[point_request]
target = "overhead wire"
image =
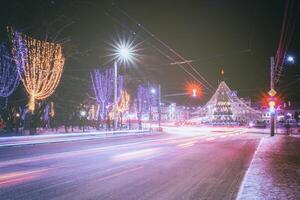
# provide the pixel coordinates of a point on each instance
(163, 53)
(165, 45)
(287, 29)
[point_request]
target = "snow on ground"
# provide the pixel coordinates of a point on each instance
(200, 130)
(274, 172)
(52, 138)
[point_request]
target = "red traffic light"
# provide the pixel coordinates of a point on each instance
(193, 89)
(194, 92)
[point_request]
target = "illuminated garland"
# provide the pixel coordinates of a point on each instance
(9, 77)
(52, 111)
(103, 88)
(225, 105)
(103, 84)
(123, 104)
(40, 63)
(143, 99)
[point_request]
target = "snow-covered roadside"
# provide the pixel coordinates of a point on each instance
(52, 138)
(274, 172)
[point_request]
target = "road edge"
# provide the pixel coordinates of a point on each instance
(241, 188)
(74, 139)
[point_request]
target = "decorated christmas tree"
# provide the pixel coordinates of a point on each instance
(223, 112)
(225, 107)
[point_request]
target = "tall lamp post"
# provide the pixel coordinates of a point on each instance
(115, 91)
(153, 91)
(123, 52)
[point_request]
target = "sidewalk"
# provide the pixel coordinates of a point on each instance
(65, 137)
(281, 131)
(274, 172)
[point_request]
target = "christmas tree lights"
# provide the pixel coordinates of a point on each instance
(123, 102)
(40, 64)
(9, 76)
(143, 99)
(102, 83)
(225, 107)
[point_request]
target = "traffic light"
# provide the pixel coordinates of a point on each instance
(194, 92)
(193, 89)
(272, 105)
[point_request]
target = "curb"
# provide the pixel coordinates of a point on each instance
(241, 188)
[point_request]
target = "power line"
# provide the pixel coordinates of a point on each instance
(287, 30)
(161, 52)
(164, 44)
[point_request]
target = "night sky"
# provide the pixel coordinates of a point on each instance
(237, 36)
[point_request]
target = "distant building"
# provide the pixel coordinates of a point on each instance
(169, 112)
(172, 112)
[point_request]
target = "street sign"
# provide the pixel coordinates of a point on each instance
(272, 92)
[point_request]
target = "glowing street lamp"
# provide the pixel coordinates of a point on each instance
(124, 52)
(83, 113)
(153, 91)
(291, 59)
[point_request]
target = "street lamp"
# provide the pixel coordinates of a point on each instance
(158, 91)
(153, 91)
(291, 59)
(124, 52)
(82, 113)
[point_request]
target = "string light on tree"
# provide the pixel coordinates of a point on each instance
(102, 82)
(41, 64)
(9, 76)
(143, 102)
(124, 102)
(52, 111)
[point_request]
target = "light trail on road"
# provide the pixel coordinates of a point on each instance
(147, 167)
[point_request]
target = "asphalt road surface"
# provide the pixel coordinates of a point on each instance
(201, 165)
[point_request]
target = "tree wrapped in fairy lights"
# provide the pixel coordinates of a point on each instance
(103, 83)
(9, 76)
(122, 106)
(40, 64)
(142, 102)
(123, 103)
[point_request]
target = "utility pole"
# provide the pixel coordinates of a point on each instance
(272, 86)
(115, 93)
